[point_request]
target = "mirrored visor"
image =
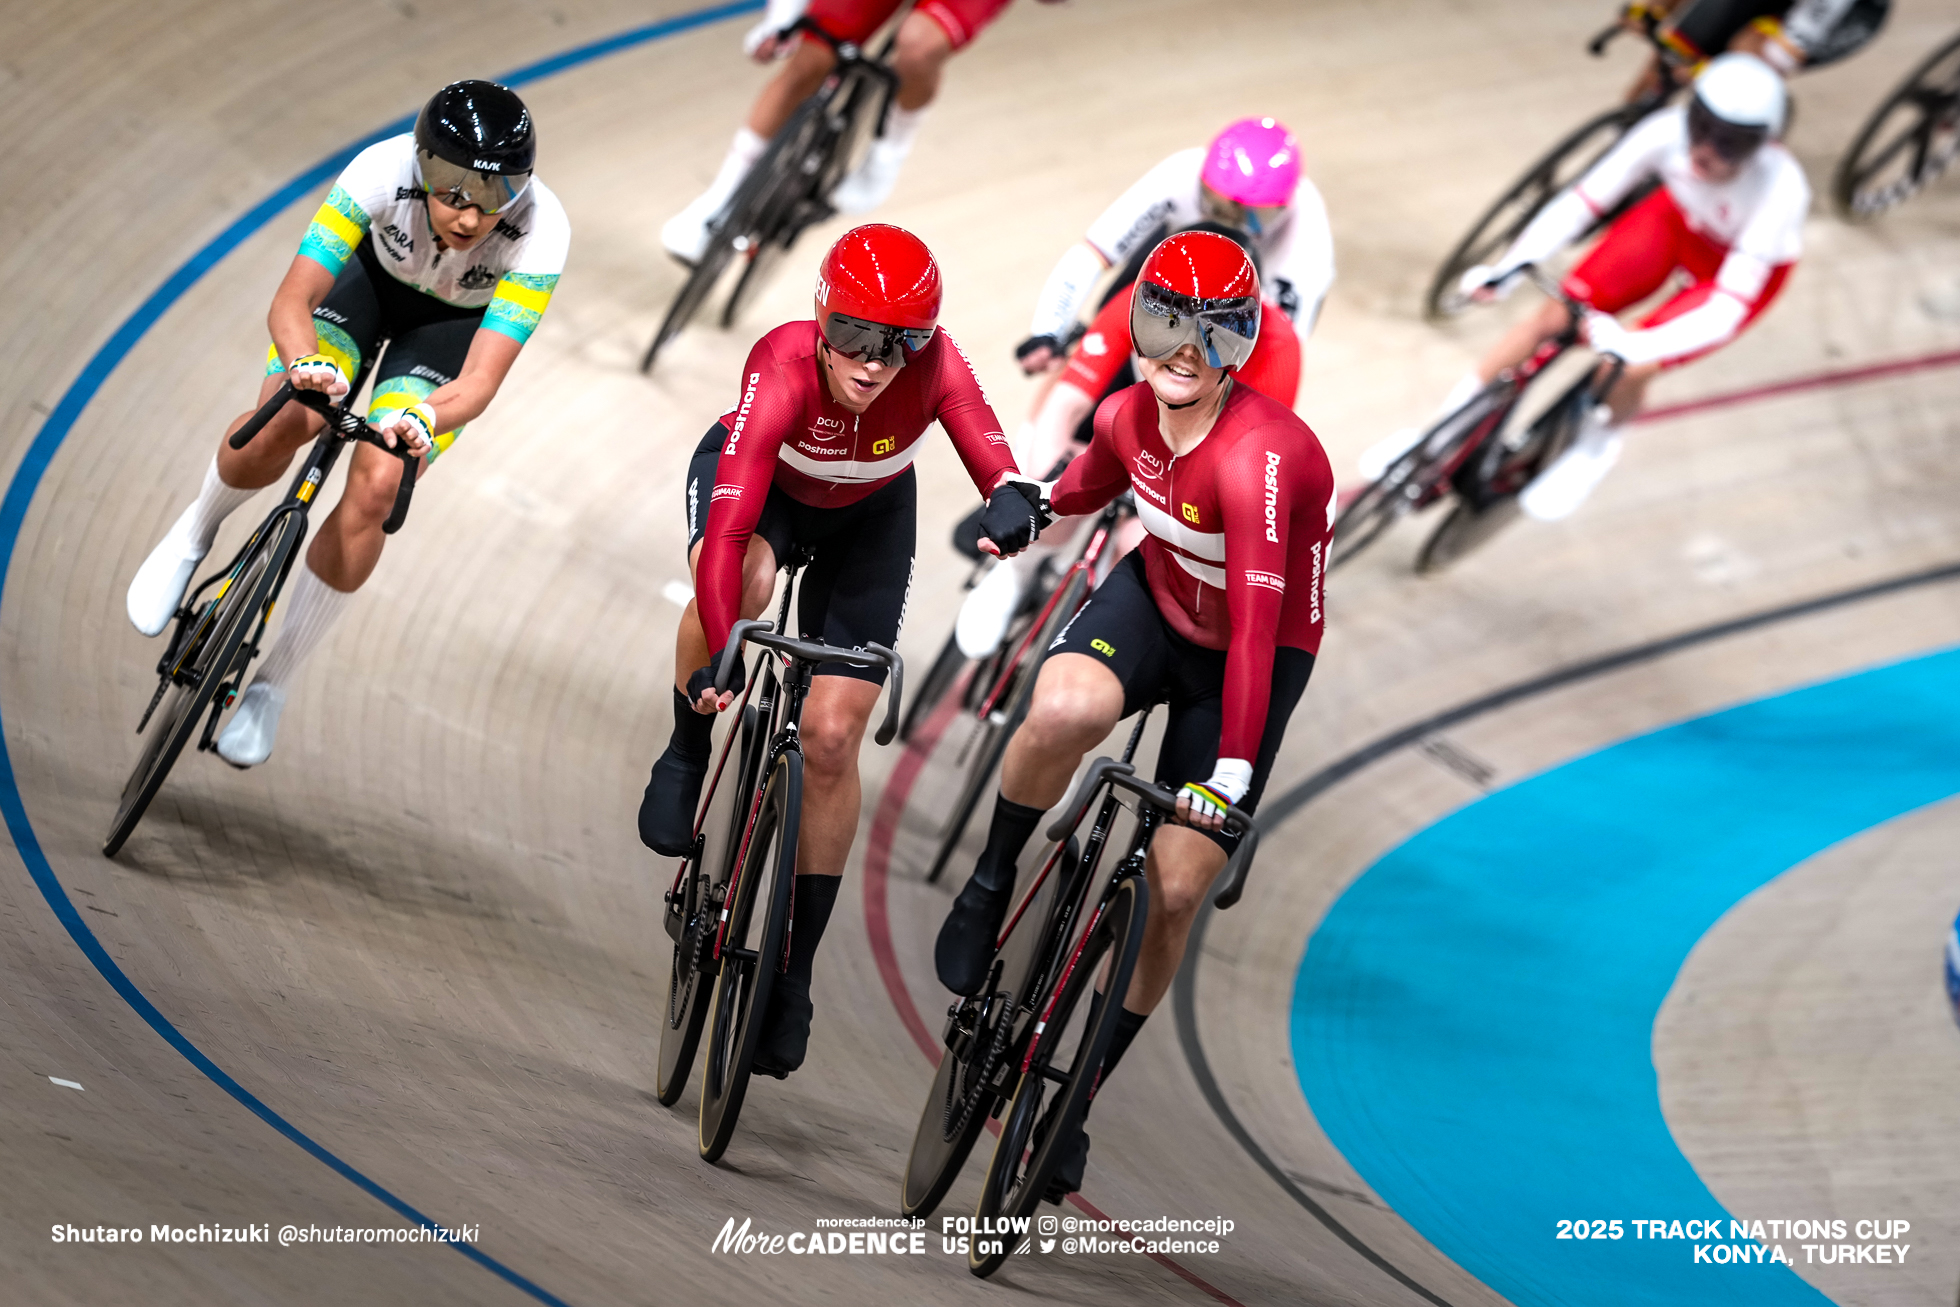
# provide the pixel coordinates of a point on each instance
(1224, 330)
(463, 188)
(1732, 141)
(863, 341)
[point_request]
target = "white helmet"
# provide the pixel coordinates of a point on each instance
(1742, 91)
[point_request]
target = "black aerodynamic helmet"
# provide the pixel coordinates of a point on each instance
(475, 145)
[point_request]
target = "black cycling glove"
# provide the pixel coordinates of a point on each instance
(1289, 299)
(1033, 343)
(1015, 514)
(703, 680)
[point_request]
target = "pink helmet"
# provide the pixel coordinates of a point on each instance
(1254, 161)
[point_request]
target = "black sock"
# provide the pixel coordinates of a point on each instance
(1013, 825)
(809, 914)
(694, 733)
(1127, 1025)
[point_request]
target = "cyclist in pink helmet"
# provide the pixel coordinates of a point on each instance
(1248, 178)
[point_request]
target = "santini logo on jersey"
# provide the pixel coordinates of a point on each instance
(1272, 498)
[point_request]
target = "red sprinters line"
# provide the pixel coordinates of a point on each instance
(1797, 385)
(878, 925)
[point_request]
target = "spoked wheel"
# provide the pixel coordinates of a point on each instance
(752, 949)
(1463, 530)
(774, 181)
(691, 921)
(1563, 164)
(1911, 139)
(1056, 1086)
(211, 649)
(920, 702)
(985, 752)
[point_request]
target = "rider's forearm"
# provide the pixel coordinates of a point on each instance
(1557, 225)
(290, 320)
(1053, 429)
(1066, 289)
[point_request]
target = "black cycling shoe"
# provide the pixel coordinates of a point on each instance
(1071, 1159)
(667, 809)
(965, 949)
(786, 1029)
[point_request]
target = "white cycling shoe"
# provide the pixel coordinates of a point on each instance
(685, 235)
(1557, 492)
(1375, 459)
(988, 609)
(872, 183)
(248, 737)
(160, 582)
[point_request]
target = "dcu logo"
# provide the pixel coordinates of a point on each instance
(1149, 466)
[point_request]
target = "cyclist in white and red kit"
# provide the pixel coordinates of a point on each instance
(1726, 221)
(1249, 177)
(817, 455)
(1218, 613)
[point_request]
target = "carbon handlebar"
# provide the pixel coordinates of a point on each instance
(749, 631)
(346, 425)
(1123, 776)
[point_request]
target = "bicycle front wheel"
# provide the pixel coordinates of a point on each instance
(757, 919)
(1500, 224)
(214, 644)
(1022, 1165)
(1909, 141)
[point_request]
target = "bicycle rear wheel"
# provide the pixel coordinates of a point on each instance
(1020, 1169)
(1909, 140)
(999, 726)
(692, 920)
(939, 678)
(213, 647)
(752, 951)
(1500, 224)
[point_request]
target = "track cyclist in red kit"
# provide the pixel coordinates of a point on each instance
(818, 455)
(1218, 613)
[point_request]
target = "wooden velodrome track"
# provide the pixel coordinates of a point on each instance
(425, 938)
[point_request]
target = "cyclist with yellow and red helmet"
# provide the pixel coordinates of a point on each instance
(817, 455)
(1218, 613)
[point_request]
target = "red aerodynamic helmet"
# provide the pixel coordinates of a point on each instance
(878, 294)
(1197, 288)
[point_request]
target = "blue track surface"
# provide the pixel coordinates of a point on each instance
(1473, 1021)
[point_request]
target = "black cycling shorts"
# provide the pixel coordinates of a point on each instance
(1707, 26)
(1122, 627)
(426, 340)
(859, 575)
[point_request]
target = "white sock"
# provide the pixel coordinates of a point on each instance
(901, 129)
(743, 151)
(214, 504)
(311, 610)
(1460, 394)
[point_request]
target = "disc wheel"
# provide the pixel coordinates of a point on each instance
(1021, 1168)
(690, 972)
(752, 949)
(1908, 142)
(940, 676)
(212, 648)
(1500, 224)
(1463, 530)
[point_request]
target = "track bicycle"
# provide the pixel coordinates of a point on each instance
(1909, 141)
(1024, 1049)
(728, 910)
(1482, 455)
(213, 640)
(788, 190)
(996, 695)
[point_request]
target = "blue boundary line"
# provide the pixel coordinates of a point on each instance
(27, 481)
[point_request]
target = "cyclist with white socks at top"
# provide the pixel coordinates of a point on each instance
(440, 242)
(1249, 178)
(932, 33)
(1727, 221)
